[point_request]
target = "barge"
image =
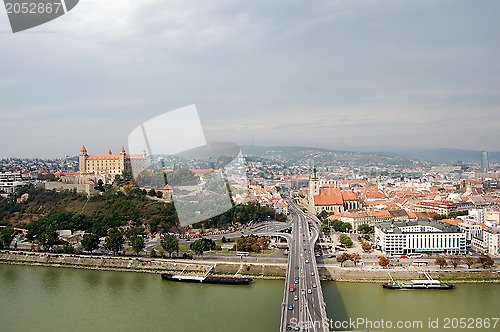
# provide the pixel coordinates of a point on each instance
(207, 279)
(419, 284)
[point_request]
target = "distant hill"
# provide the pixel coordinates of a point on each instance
(441, 155)
(447, 155)
(324, 157)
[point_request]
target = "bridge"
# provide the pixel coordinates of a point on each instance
(304, 306)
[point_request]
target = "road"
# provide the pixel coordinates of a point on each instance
(303, 308)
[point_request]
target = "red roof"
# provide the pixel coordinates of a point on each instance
(114, 156)
(328, 196)
(83, 149)
(349, 196)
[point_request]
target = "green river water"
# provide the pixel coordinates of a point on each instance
(57, 299)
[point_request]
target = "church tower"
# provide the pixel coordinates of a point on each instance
(83, 160)
(313, 183)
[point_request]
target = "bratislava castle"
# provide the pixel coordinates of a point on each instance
(110, 163)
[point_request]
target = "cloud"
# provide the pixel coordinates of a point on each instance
(286, 72)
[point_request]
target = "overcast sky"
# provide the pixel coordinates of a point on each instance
(362, 75)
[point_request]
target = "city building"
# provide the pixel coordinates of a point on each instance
(420, 236)
(485, 161)
(110, 163)
(10, 181)
(488, 242)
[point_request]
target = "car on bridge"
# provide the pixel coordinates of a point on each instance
(290, 307)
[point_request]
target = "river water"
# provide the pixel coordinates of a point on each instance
(57, 299)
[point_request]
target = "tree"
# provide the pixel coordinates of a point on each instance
(383, 261)
(485, 261)
(345, 226)
(48, 239)
(224, 239)
(365, 229)
(366, 246)
(325, 229)
(114, 240)
(356, 259)
(345, 240)
(100, 186)
(455, 260)
(323, 215)
(68, 248)
(199, 246)
(469, 261)
(152, 193)
(337, 225)
(153, 253)
(441, 261)
(90, 242)
(170, 243)
(6, 236)
(137, 243)
(343, 258)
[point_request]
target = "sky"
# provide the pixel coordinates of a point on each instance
(363, 75)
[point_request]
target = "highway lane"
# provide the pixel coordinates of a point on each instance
(307, 304)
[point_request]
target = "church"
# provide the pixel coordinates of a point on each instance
(110, 164)
(329, 198)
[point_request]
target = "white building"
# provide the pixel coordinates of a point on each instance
(420, 236)
(10, 181)
(488, 242)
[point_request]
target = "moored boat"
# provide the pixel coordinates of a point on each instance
(207, 279)
(419, 284)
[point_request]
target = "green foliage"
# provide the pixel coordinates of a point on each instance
(114, 240)
(182, 176)
(170, 243)
(450, 216)
(323, 215)
(137, 243)
(90, 242)
(153, 253)
(68, 248)
(325, 229)
(241, 214)
(340, 226)
(100, 186)
(202, 245)
(70, 210)
(6, 236)
(48, 239)
(127, 178)
(345, 240)
(366, 229)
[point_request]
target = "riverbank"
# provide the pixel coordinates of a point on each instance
(245, 269)
(142, 265)
(382, 275)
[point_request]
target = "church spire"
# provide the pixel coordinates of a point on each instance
(314, 175)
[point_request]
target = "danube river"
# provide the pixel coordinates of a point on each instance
(56, 299)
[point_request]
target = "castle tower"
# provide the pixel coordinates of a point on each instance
(122, 159)
(83, 160)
